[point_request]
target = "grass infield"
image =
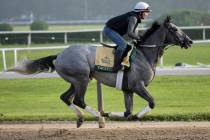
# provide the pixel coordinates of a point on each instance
(177, 98)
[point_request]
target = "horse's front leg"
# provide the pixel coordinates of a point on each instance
(142, 92)
(128, 100)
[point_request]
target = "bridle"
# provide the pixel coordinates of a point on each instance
(164, 46)
(179, 41)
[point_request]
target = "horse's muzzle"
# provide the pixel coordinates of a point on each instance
(187, 42)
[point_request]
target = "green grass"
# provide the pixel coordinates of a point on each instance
(61, 27)
(198, 53)
(177, 98)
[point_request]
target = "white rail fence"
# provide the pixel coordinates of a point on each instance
(65, 33)
(65, 38)
(16, 50)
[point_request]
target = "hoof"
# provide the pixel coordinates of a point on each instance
(101, 122)
(79, 122)
(129, 117)
(103, 114)
(134, 117)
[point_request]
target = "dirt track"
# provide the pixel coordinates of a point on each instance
(113, 131)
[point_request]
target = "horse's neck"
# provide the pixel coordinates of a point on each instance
(151, 54)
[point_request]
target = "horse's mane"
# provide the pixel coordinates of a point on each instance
(150, 31)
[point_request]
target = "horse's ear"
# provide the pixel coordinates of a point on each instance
(168, 19)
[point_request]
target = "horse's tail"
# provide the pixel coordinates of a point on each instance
(44, 64)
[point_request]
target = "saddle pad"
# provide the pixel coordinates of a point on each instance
(104, 60)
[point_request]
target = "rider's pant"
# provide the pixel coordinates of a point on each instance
(116, 38)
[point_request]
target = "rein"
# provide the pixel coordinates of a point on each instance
(154, 46)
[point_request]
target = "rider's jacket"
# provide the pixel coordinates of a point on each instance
(125, 24)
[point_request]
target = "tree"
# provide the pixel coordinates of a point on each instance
(6, 27)
(39, 25)
(188, 18)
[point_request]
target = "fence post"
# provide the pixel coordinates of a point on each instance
(4, 59)
(29, 38)
(101, 36)
(15, 56)
(204, 33)
(65, 38)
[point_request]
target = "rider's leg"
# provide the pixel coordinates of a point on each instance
(121, 43)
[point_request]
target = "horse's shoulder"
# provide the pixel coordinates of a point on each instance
(142, 67)
(141, 57)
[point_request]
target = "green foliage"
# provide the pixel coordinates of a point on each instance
(39, 25)
(6, 27)
(188, 18)
(198, 53)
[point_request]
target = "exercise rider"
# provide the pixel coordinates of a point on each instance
(123, 24)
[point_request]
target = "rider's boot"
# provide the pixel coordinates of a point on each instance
(118, 59)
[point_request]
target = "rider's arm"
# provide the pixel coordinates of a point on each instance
(131, 28)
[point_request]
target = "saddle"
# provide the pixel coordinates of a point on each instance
(107, 45)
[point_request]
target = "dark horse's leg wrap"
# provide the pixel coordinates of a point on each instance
(68, 96)
(81, 88)
(79, 102)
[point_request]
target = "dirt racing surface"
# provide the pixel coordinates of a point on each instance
(112, 131)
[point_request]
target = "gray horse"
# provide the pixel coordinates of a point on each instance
(76, 66)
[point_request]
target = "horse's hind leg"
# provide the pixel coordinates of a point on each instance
(79, 101)
(79, 97)
(68, 97)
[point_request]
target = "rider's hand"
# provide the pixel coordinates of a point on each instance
(134, 42)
